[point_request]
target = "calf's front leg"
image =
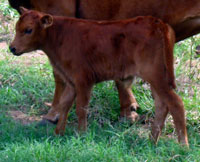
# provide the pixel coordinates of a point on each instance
(65, 103)
(53, 114)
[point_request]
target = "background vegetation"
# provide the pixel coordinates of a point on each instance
(26, 83)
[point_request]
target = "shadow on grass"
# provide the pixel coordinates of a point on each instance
(118, 141)
(12, 131)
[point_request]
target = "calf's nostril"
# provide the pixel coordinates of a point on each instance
(12, 49)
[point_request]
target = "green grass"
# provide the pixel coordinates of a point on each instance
(26, 83)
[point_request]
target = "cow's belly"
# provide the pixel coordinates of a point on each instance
(187, 28)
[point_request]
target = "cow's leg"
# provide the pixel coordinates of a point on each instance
(65, 103)
(53, 114)
(82, 101)
(176, 108)
(161, 112)
(127, 100)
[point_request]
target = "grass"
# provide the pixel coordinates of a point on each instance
(26, 83)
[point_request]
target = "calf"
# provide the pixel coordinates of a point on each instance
(84, 53)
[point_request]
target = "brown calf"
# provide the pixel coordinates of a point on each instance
(84, 53)
(182, 15)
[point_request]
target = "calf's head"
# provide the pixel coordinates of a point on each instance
(30, 31)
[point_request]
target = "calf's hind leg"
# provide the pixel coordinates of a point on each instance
(176, 108)
(83, 92)
(161, 112)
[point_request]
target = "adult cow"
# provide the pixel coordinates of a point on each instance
(182, 15)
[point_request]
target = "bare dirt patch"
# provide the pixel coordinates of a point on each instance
(32, 58)
(3, 45)
(36, 57)
(23, 118)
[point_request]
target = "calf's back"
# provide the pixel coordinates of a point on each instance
(106, 50)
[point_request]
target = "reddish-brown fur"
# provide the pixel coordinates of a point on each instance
(84, 53)
(182, 15)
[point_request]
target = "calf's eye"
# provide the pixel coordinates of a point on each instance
(28, 31)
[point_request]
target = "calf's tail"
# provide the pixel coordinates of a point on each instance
(169, 41)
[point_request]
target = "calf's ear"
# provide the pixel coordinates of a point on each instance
(22, 10)
(46, 21)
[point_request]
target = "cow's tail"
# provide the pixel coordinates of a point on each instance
(169, 41)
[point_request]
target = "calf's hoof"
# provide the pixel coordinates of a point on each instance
(45, 122)
(154, 137)
(51, 117)
(59, 132)
(48, 120)
(184, 141)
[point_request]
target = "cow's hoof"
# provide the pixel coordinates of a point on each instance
(134, 107)
(48, 104)
(133, 116)
(130, 113)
